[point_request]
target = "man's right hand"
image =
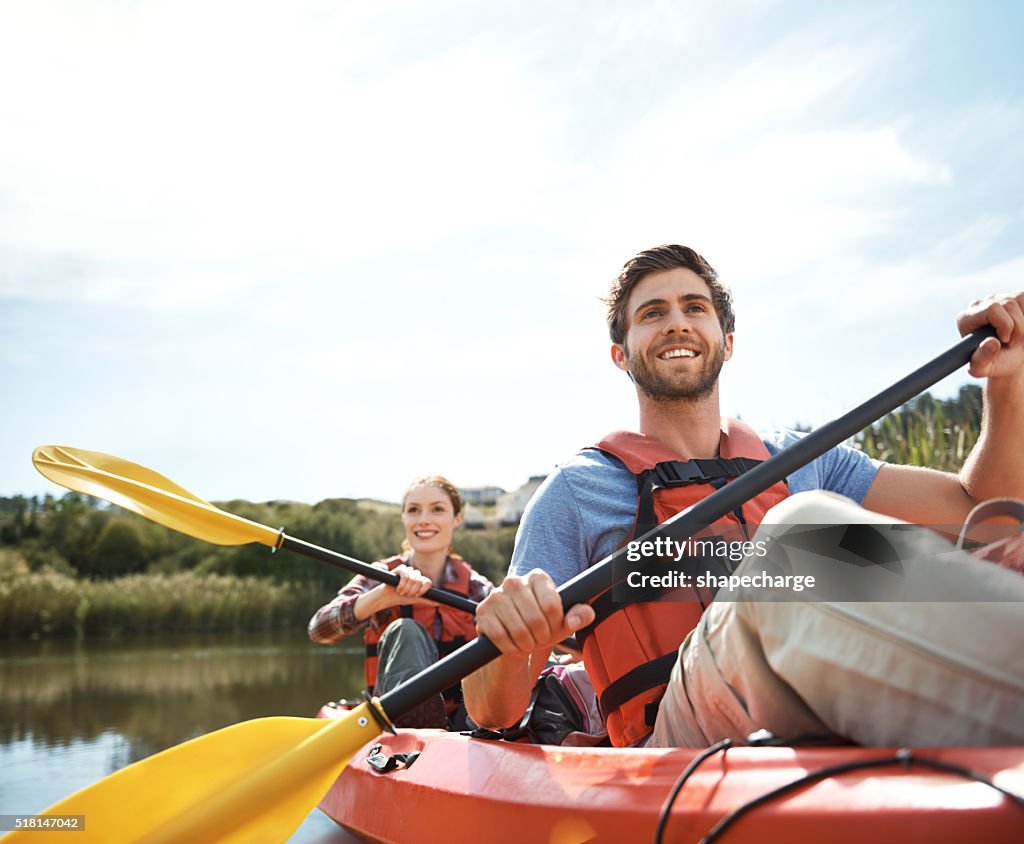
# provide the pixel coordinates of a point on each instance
(525, 614)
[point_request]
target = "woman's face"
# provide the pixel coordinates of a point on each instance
(429, 519)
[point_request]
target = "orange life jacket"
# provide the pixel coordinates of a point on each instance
(630, 649)
(450, 628)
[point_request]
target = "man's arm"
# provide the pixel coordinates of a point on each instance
(523, 617)
(995, 466)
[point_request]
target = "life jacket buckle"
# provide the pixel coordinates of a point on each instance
(674, 473)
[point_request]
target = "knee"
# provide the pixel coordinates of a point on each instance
(817, 507)
(402, 629)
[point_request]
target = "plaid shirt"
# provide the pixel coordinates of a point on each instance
(336, 620)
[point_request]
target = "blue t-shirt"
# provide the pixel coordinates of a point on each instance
(585, 508)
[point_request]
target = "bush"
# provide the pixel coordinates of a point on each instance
(118, 550)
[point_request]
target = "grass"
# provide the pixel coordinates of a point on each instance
(48, 603)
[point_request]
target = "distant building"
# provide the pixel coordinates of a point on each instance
(473, 517)
(512, 504)
(482, 496)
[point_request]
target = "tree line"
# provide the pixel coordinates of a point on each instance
(80, 536)
(84, 537)
(125, 566)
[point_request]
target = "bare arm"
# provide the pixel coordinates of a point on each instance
(350, 609)
(523, 617)
(995, 466)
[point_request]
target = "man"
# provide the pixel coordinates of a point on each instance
(875, 673)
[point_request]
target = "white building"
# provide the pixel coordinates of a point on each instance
(512, 504)
(485, 496)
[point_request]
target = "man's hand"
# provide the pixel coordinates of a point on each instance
(524, 614)
(995, 358)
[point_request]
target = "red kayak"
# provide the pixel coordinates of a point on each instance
(427, 786)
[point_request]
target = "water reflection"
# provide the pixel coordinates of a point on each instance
(73, 712)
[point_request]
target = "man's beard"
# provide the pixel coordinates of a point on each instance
(691, 387)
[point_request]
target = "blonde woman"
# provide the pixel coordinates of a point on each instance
(404, 633)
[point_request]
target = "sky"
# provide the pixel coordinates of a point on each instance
(302, 250)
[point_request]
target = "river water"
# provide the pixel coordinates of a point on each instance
(74, 712)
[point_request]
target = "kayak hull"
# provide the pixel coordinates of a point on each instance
(465, 789)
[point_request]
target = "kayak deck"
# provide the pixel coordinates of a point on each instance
(464, 789)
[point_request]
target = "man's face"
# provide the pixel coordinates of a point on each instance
(674, 346)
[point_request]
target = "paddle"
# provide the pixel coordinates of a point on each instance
(150, 494)
(257, 781)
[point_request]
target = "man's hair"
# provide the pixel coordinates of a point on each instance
(665, 257)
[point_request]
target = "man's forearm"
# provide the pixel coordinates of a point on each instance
(995, 468)
(497, 695)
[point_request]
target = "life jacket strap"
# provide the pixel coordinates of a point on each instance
(603, 606)
(673, 473)
(636, 681)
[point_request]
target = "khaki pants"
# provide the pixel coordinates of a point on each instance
(892, 672)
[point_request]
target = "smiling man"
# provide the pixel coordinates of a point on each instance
(694, 355)
(676, 670)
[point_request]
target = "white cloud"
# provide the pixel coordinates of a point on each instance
(314, 225)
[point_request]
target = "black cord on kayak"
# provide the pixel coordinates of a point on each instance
(758, 738)
(666, 809)
(903, 757)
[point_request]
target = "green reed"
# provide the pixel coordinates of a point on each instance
(927, 432)
(50, 603)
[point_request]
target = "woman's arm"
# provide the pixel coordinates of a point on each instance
(354, 606)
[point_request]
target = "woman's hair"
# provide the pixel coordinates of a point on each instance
(442, 482)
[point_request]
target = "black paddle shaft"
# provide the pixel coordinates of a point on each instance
(333, 558)
(599, 578)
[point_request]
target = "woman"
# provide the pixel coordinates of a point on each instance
(405, 633)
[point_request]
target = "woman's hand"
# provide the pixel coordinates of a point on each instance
(412, 583)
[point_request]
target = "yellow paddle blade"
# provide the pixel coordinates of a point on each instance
(252, 782)
(147, 493)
